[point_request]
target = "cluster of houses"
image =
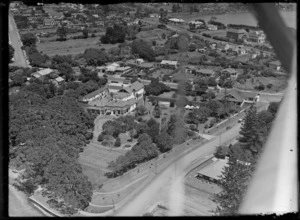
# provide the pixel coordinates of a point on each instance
(241, 34)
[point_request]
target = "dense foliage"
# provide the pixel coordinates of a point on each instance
(11, 52)
(45, 138)
(156, 88)
(242, 160)
(114, 34)
(28, 39)
(143, 49)
(95, 57)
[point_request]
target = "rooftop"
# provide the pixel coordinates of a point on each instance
(237, 31)
(205, 71)
(214, 170)
(59, 79)
(93, 94)
(44, 72)
(169, 62)
(277, 62)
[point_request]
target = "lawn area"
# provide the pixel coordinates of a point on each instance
(72, 47)
(279, 83)
(154, 34)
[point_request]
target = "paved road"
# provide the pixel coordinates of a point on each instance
(15, 40)
(149, 195)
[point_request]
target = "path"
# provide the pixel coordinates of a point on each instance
(14, 38)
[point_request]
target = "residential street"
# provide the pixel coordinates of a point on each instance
(15, 41)
(152, 193)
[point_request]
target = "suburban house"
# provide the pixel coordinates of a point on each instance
(257, 36)
(212, 27)
(239, 50)
(50, 22)
(59, 80)
(235, 34)
(276, 65)
(95, 95)
(197, 24)
(239, 97)
(176, 20)
(42, 73)
(121, 102)
(224, 47)
(204, 72)
(169, 64)
(229, 72)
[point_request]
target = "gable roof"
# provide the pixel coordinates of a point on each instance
(169, 62)
(93, 94)
(44, 72)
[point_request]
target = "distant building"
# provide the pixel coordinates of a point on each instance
(257, 36)
(205, 72)
(276, 65)
(239, 50)
(229, 72)
(235, 34)
(123, 101)
(94, 95)
(239, 97)
(42, 73)
(169, 64)
(50, 22)
(212, 27)
(154, 15)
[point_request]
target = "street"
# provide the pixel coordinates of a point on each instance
(173, 174)
(15, 41)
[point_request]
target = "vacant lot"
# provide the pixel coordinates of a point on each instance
(278, 83)
(72, 47)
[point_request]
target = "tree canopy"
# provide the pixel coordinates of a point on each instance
(114, 34)
(143, 49)
(95, 57)
(28, 39)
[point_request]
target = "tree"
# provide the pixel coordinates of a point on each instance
(214, 106)
(164, 142)
(234, 181)
(114, 34)
(95, 57)
(66, 70)
(118, 142)
(29, 39)
(221, 152)
(156, 88)
(273, 107)
(143, 49)
(11, 52)
(85, 33)
(199, 115)
(249, 134)
(62, 32)
(153, 129)
(141, 110)
(200, 86)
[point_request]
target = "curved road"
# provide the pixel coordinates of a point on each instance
(158, 187)
(15, 41)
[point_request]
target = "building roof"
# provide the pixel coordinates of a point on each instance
(108, 102)
(169, 62)
(137, 86)
(36, 75)
(123, 68)
(93, 94)
(237, 31)
(121, 95)
(214, 170)
(59, 79)
(116, 78)
(146, 65)
(277, 63)
(206, 71)
(44, 72)
(230, 70)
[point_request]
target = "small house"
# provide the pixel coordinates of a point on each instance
(229, 72)
(235, 34)
(169, 64)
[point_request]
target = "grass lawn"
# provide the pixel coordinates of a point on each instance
(154, 34)
(279, 83)
(72, 47)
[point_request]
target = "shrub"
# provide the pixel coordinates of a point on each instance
(221, 152)
(118, 142)
(270, 85)
(100, 137)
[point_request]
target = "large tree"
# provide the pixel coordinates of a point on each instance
(29, 39)
(114, 34)
(62, 32)
(143, 49)
(95, 57)
(164, 142)
(66, 70)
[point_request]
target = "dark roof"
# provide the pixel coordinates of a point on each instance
(93, 94)
(237, 31)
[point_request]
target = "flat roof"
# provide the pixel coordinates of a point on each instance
(215, 169)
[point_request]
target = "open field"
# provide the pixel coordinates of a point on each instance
(72, 47)
(279, 83)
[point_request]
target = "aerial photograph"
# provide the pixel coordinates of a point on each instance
(152, 109)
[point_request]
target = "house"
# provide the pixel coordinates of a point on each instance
(212, 27)
(121, 102)
(42, 73)
(59, 80)
(239, 97)
(276, 65)
(169, 64)
(224, 47)
(229, 72)
(95, 95)
(213, 171)
(190, 69)
(197, 24)
(239, 50)
(122, 70)
(176, 20)
(50, 22)
(204, 72)
(235, 34)
(257, 36)
(111, 68)
(154, 15)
